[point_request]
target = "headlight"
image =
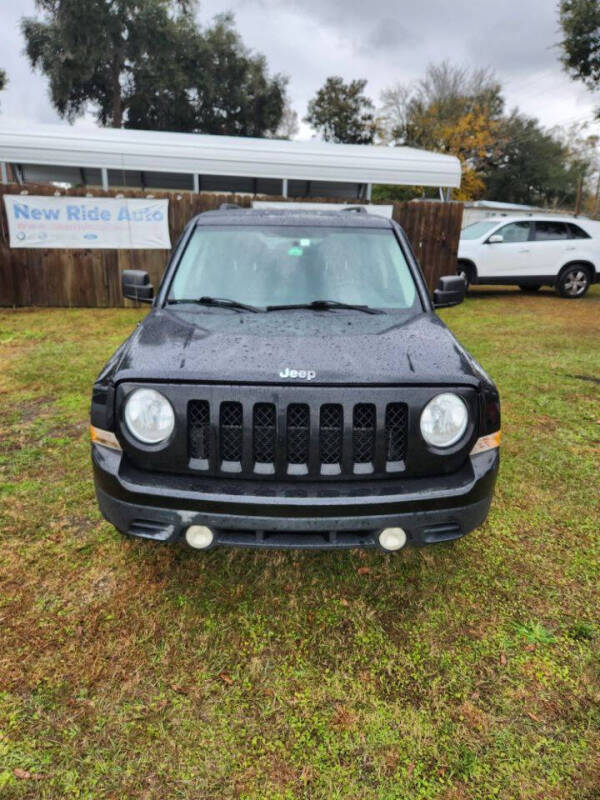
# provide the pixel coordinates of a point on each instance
(149, 416)
(444, 420)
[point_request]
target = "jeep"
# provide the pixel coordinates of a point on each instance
(293, 387)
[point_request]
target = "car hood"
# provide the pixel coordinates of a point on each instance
(299, 346)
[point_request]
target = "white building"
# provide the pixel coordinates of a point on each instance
(111, 157)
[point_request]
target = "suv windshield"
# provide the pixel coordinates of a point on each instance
(277, 265)
(477, 229)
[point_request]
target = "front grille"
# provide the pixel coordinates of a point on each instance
(363, 433)
(297, 439)
(198, 428)
(331, 431)
(231, 431)
(264, 433)
(396, 437)
(298, 433)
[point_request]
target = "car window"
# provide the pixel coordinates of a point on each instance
(576, 232)
(477, 229)
(515, 232)
(548, 230)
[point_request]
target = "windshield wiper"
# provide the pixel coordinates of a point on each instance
(326, 305)
(315, 305)
(221, 302)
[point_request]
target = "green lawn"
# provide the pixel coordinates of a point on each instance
(471, 670)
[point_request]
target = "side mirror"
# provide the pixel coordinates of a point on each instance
(136, 285)
(495, 238)
(450, 292)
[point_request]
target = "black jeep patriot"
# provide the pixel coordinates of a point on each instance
(292, 386)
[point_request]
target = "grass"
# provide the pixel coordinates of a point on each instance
(472, 670)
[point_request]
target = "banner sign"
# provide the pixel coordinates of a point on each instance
(87, 222)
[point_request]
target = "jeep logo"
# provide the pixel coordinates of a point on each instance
(304, 374)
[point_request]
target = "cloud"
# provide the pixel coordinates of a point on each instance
(387, 35)
(26, 97)
(384, 41)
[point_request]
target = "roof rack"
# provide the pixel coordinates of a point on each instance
(226, 206)
(355, 209)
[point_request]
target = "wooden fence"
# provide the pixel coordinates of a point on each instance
(434, 232)
(88, 277)
(93, 277)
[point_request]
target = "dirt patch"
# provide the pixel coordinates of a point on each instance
(74, 430)
(31, 409)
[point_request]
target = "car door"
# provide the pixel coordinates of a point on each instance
(506, 258)
(552, 246)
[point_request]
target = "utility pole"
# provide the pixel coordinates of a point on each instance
(597, 197)
(579, 195)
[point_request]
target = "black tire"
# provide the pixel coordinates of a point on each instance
(534, 287)
(467, 271)
(574, 281)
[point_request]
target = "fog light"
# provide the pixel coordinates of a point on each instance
(392, 538)
(199, 536)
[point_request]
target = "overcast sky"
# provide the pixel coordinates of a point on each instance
(384, 41)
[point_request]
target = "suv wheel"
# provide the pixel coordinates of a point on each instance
(466, 271)
(528, 289)
(574, 281)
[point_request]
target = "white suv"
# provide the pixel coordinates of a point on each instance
(531, 252)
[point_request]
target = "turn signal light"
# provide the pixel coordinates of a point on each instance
(488, 442)
(105, 438)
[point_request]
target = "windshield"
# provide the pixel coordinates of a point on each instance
(477, 229)
(266, 266)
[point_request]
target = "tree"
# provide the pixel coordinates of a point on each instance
(289, 125)
(91, 49)
(531, 165)
(580, 23)
(583, 160)
(451, 110)
(231, 90)
(449, 89)
(341, 112)
(392, 121)
(147, 64)
(505, 157)
(157, 92)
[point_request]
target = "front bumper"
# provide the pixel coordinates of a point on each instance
(311, 516)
